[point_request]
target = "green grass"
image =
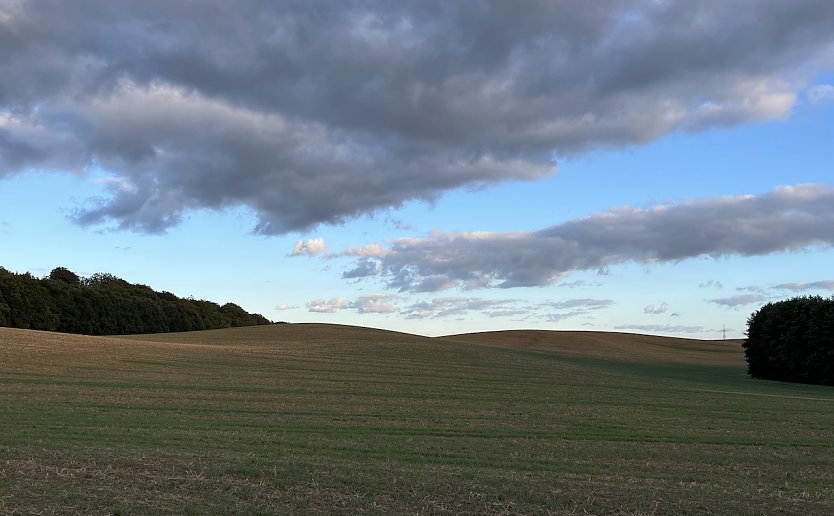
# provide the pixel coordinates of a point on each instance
(306, 419)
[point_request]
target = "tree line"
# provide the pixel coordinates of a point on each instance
(792, 341)
(103, 304)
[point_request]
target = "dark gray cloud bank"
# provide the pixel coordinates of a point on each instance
(785, 219)
(315, 112)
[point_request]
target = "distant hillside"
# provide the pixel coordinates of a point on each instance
(106, 305)
(617, 347)
(611, 345)
(307, 333)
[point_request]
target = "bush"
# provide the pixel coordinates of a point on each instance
(792, 341)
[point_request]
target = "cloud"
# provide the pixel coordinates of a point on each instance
(573, 308)
(585, 304)
(739, 300)
(558, 317)
(310, 247)
(283, 306)
(437, 308)
(750, 288)
(580, 284)
(786, 219)
(317, 112)
(445, 307)
(508, 313)
(366, 251)
(327, 306)
(651, 309)
(372, 304)
(711, 284)
(364, 267)
(661, 328)
(375, 304)
(802, 287)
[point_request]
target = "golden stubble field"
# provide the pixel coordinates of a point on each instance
(321, 418)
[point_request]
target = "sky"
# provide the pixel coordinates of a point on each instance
(433, 167)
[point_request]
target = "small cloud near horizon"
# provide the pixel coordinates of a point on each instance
(735, 302)
(651, 309)
(585, 303)
(753, 289)
(375, 304)
(324, 306)
(559, 317)
(445, 307)
(573, 308)
(370, 304)
(661, 328)
(803, 287)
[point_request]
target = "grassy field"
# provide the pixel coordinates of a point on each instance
(318, 418)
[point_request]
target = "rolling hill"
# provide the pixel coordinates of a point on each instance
(615, 346)
(338, 419)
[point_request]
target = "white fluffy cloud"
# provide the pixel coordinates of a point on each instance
(372, 304)
(375, 304)
(786, 219)
(326, 306)
(317, 111)
(309, 247)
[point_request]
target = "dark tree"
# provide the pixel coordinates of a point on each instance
(65, 275)
(106, 305)
(792, 341)
(5, 311)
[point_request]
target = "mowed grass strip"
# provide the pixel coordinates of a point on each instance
(324, 418)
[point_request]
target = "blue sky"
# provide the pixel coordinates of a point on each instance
(674, 207)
